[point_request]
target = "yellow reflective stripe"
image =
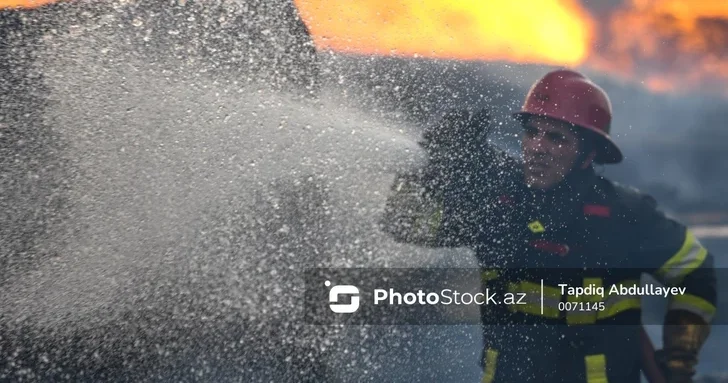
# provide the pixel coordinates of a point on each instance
(536, 227)
(552, 292)
(489, 275)
(581, 315)
(577, 317)
(596, 368)
(694, 304)
(596, 282)
(491, 358)
(525, 287)
(428, 224)
(531, 303)
(435, 219)
(690, 256)
(616, 304)
(584, 316)
(619, 305)
(532, 300)
(410, 214)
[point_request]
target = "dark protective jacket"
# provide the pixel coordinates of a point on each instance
(586, 231)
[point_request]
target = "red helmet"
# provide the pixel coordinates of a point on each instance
(569, 96)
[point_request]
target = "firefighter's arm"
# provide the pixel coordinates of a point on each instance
(431, 206)
(689, 316)
(413, 214)
(681, 260)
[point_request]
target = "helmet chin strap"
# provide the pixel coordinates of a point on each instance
(587, 152)
(581, 161)
(576, 172)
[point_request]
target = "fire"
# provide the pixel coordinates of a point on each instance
(462, 29)
(669, 44)
(24, 3)
(666, 45)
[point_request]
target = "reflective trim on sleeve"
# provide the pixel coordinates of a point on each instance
(584, 315)
(435, 219)
(596, 368)
(693, 304)
(491, 358)
(428, 223)
(596, 282)
(615, 304)
(531, 302)
(489, 275)
(690, 256)
(580, 317)
(619, 304)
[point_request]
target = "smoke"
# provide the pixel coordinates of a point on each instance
(672, 146)
(667, 46)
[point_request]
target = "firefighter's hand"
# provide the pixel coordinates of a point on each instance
(683, 336)
(456, 131)
(677, 367)
(456, 143)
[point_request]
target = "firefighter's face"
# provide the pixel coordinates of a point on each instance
(550, 150)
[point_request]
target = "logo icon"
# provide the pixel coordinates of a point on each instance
(343, 290)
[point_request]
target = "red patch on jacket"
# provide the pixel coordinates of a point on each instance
(550, 247)
(598, 210)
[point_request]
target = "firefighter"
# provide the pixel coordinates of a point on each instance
(551, 211)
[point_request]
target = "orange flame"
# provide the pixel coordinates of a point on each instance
(669, 44)
(665, 44)
(463, 29)
(24, 3)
